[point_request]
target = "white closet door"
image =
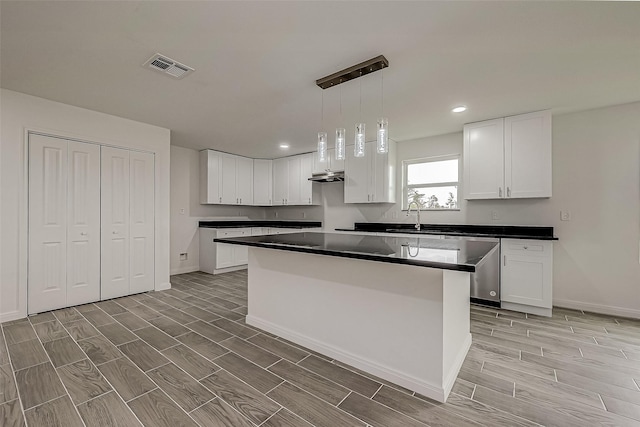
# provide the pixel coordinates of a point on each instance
(47, 273)
(83, 223)
(115, 223)
(142, 222)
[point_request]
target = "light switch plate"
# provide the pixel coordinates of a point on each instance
(565, 215)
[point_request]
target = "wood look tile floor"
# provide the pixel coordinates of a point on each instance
(185, 357)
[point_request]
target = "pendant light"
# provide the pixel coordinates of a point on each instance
(341, 135)
(354, 72)
(322, 138)
(359, 142)
(382, 140)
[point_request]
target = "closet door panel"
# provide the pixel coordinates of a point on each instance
(47, 279)
(83, 223)
(115, 223)
(142, 222)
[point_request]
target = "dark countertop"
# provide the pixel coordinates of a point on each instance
(469, 230)
(259, 223)
(448, 254)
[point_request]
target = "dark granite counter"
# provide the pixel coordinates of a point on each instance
(448, 254)
(468, 230)
(260, 223)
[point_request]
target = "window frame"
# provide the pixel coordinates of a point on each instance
(406, 187)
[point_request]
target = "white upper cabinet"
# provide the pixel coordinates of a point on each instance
(229, 180)
(291, 185)
(307, 194)
(329, 165)
(262, 182)
(527, 153)
(225, 179)
(244, 180)
(508, 158)
(483, 160)
(280, 181)
(210, 170)
(370, 179)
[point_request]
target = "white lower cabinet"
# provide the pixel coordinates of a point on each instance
(219, 256)
(527, 276)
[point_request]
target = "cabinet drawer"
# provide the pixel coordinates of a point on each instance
(529, 247)
(233, 232)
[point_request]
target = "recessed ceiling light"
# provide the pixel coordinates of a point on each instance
(284, 145)
(459, 109)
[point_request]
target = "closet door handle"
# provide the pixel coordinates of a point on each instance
(508, 192)
(83, 233)
(499, 191)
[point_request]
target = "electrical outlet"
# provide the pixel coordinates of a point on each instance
(494, 215)
(275, 214)
(182, 211)
(304, 215)
(183, 256)
(565, 215)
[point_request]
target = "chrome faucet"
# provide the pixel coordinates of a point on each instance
(417, 226)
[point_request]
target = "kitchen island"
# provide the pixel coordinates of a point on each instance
(395, 307)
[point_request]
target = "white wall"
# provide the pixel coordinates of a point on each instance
(21, 113)
(596, 176)
(185, 194)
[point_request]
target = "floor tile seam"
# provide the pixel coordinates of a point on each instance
(383, 405)
(140, 395)
(168, 397)
(280, 358)
(13, 373)
(582, 365)
(249, 361)
(104, 377)
(64, 386)
(246, 384)
(498, 410)
(517, 370)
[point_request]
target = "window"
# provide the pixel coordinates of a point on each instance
(432, 183)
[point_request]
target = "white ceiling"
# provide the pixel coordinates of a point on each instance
(256, 63)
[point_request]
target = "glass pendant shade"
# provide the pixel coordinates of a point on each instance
(341, 134)
(322, 146)
(383, 135)
(358, 148)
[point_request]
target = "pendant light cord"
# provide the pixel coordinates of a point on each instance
(322, 114)
(361, 97)
(382, 91)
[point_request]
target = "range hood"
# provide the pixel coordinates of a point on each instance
(327, 177)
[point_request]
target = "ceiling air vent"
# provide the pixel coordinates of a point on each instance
(168, 66)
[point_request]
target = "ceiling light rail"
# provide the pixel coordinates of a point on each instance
(353, 72)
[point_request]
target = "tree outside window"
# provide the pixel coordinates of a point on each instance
(431, 183)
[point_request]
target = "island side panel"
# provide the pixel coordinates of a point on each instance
(384, 318)
(456, 324)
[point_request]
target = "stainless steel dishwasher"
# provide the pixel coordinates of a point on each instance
(485, 282)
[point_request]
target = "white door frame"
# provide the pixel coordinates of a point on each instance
(23, 220)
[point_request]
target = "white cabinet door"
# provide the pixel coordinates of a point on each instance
(295, 177)
(280, 181)
(244, 180)
(526, 272)
(228, 180)
(318, 166)
(356, 178)
(483, 160)
(262, 182)
(115, 223)
(306, 186)
(527, 150)
(382, 175)
(83, 223)
(142, 221)
(47, 282)
(330, 164)
(224, 255)
(210, 164)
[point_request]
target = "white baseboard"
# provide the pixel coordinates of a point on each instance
(432, 391)
(451, 377)
(183, 270)
(598, 308)
(12, 315)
